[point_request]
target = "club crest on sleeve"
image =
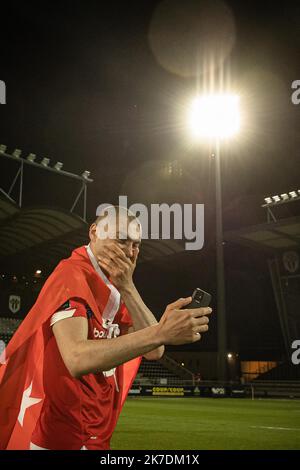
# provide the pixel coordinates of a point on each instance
(65, 305)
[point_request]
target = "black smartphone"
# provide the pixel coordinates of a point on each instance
(200, 298)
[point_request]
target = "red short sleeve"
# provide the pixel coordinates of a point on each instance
(71, 308)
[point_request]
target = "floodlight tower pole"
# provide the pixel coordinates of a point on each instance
(221, 313)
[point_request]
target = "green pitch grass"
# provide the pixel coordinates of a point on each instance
(207, 423)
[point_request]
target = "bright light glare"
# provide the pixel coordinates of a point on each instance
(214, 116)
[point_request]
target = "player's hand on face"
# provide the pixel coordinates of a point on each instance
(118, 258)
(181, 326)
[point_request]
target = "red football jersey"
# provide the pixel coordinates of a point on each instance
(81, 412)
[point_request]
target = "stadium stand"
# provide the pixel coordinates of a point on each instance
(284, 371)
(163, 372)
(7, 328)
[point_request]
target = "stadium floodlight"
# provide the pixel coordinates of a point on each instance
(214, 116)
(38, 271)
(276, 198)
(268, 200)
(45, 161)
(284, 196)
(298, 192)
(17, 153)
(3, 148)
(31, 157)
(86, 174)
(58, 166)
(229, 355)
(293, 193)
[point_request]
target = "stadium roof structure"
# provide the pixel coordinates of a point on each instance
(44, 235)
(269, 237)
(7, 209)
(272, 239)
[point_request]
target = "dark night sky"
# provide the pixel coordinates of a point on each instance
(85, 88)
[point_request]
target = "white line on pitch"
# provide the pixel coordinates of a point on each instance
(275, 428)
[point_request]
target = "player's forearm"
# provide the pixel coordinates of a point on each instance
(141, 316)
(92, 356)
(139, 312)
